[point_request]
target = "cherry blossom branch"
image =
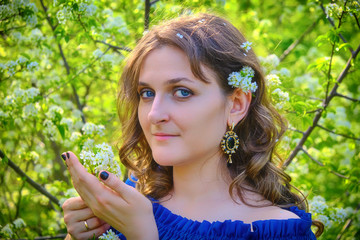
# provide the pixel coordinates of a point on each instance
(299, 40)
(29, 180)
(322, 165)
(147, 14)
(318, 115)
(333, 24)
(346, 97)
(340, 134)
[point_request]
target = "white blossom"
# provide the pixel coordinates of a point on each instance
(324, 219)
(97, 53)
(284, 72)
(318, 204)
(242, 79)
(68, 122)
(31, 20)
(49, 129)
(33, 66)
(246, 46)
(75, 136)
(63, 15)
(109, 235)
(54, 111)
(11, 67)
(30, 111)
(19, 223)
(90, 129)
(338, 215)
(87, 10)
(7, 231)
(273, 80)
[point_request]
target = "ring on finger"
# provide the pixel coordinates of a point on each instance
(86, 225)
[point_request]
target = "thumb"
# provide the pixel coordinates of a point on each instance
(128, 193)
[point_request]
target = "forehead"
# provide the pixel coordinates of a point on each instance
(168, 62)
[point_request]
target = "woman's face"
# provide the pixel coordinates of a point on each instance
(183, 118)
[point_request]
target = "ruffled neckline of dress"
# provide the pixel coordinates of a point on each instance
(172, 224)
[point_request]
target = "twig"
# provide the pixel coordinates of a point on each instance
(294, 44)
(29, 180)
(153, 2)
(147, 14)
(325, 104)
(296, 130)
(347, 223)
(322, 165)
(115, 47)
(346, 97)
(333, 24)
(340, 134)
(357, 21)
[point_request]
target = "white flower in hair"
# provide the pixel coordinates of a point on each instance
(179, 35)
(246, 46)
(242, 80)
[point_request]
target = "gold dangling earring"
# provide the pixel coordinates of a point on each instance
(230, 143)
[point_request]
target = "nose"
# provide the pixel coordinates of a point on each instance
(159, 111)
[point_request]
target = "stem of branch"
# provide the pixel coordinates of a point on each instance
(357, 21)
(322, 165)
(147, 14)
(346, 97)
(115, 47)
(296, 42)
(343, 135)
(29, 180)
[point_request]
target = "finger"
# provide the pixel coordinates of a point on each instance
(74, 203)
(94, 222)
(94, 232)
(78, 216)
(110, 180)
(85, 183)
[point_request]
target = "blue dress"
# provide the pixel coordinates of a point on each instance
(172, 226)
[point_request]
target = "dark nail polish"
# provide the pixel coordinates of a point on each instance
(104, 175)
(63, 156)
(68, 155)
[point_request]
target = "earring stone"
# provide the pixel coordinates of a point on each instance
(230, 143)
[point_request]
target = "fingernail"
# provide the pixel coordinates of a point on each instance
(63, 156)
(68, 155)
(104, 175)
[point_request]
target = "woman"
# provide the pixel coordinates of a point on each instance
(199, 142)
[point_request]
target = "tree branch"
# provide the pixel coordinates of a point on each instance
(346, 97)
(115, 47)
(147, 14)
(322, 165)
(325, 104)
(296, 130)
(340, 134)
(29, 180)
(357, 21)
(299, 40)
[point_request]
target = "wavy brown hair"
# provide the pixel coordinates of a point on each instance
(215, 43)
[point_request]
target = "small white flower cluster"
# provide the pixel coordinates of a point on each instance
(90, 129)
(242, 80)
(30, 111)
(21, 96)
(98, 158)
(54, 111)
(325, 214)
(12, 66)
(14, 7)
(67, 122)
(282, 98)
(7, 230)
(109, 235)
(273, 80)
(49, 129)
(87, 10)
(64, 14)
(269, 62)
(333, 10)
(246, 46)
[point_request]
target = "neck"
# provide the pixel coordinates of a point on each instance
(201, 180)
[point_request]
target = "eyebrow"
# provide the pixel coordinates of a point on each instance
(170, 81)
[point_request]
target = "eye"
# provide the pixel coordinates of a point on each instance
(183, 93)
(146, 93)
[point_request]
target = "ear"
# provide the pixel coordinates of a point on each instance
(239, 106)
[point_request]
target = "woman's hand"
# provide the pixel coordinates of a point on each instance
(80, 221)
(118, 204)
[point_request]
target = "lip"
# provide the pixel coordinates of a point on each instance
(164, 136)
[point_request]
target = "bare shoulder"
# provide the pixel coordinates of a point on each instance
(277, 213)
